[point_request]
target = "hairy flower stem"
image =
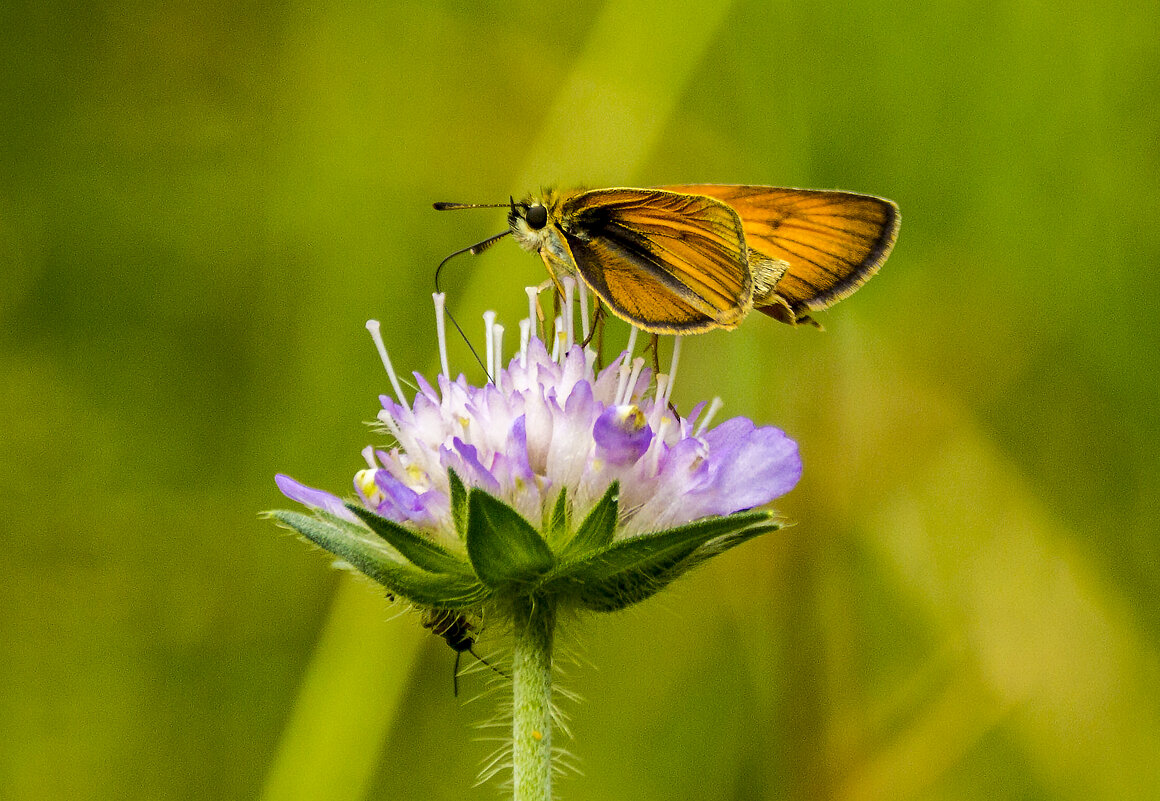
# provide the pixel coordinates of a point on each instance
(534, 622)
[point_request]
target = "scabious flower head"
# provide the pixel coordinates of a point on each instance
(553, 477)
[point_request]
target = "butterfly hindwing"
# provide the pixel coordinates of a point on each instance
(830, 242)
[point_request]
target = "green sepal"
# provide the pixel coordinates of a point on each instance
(559, 523)
(419, 550)
(502, 546)
(350, 543)
(598, 527)
(458, 503)
(720, 545)
(630, 570)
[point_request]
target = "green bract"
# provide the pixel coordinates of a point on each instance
(504, 558)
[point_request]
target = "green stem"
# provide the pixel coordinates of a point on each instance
(532, 700)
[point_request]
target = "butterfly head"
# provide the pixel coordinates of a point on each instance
(531, 220)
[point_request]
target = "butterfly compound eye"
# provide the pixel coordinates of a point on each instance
(536, 217)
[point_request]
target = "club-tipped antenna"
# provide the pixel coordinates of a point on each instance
(444, 206)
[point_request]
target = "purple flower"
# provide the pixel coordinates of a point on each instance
(550, 422)
(554, 486)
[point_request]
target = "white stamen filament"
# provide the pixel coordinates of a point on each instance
(376, 335)
(558, 336)
(584, 325)
(714, 407)
(661, 405)
(569, 284)
(631, 341)
(622, 378)
(590, 360)
(673, 369)
(533, 295)
(637, 366)
(488, 337)
(625, 367)
(652, 456)
(441, 332)
(525, 339)
(497, 374)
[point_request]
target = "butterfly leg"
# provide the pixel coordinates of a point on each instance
(557, 304)
(538, 321)
(654, 348)
(598, 317)
(596, 333)
(597, 323)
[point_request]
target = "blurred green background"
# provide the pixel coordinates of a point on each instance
(201, 203)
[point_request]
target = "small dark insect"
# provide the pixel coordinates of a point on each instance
(459, 633)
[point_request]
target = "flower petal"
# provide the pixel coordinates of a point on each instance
(622, 434)
(758, 469)
(314, 498)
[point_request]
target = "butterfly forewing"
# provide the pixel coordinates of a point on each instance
(670, 263)
(832, 241)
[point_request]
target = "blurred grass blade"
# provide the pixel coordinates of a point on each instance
(350, 694)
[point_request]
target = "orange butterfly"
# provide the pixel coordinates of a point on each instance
(688, 259)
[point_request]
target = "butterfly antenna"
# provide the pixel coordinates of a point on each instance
(474, 250)
(443, 206)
